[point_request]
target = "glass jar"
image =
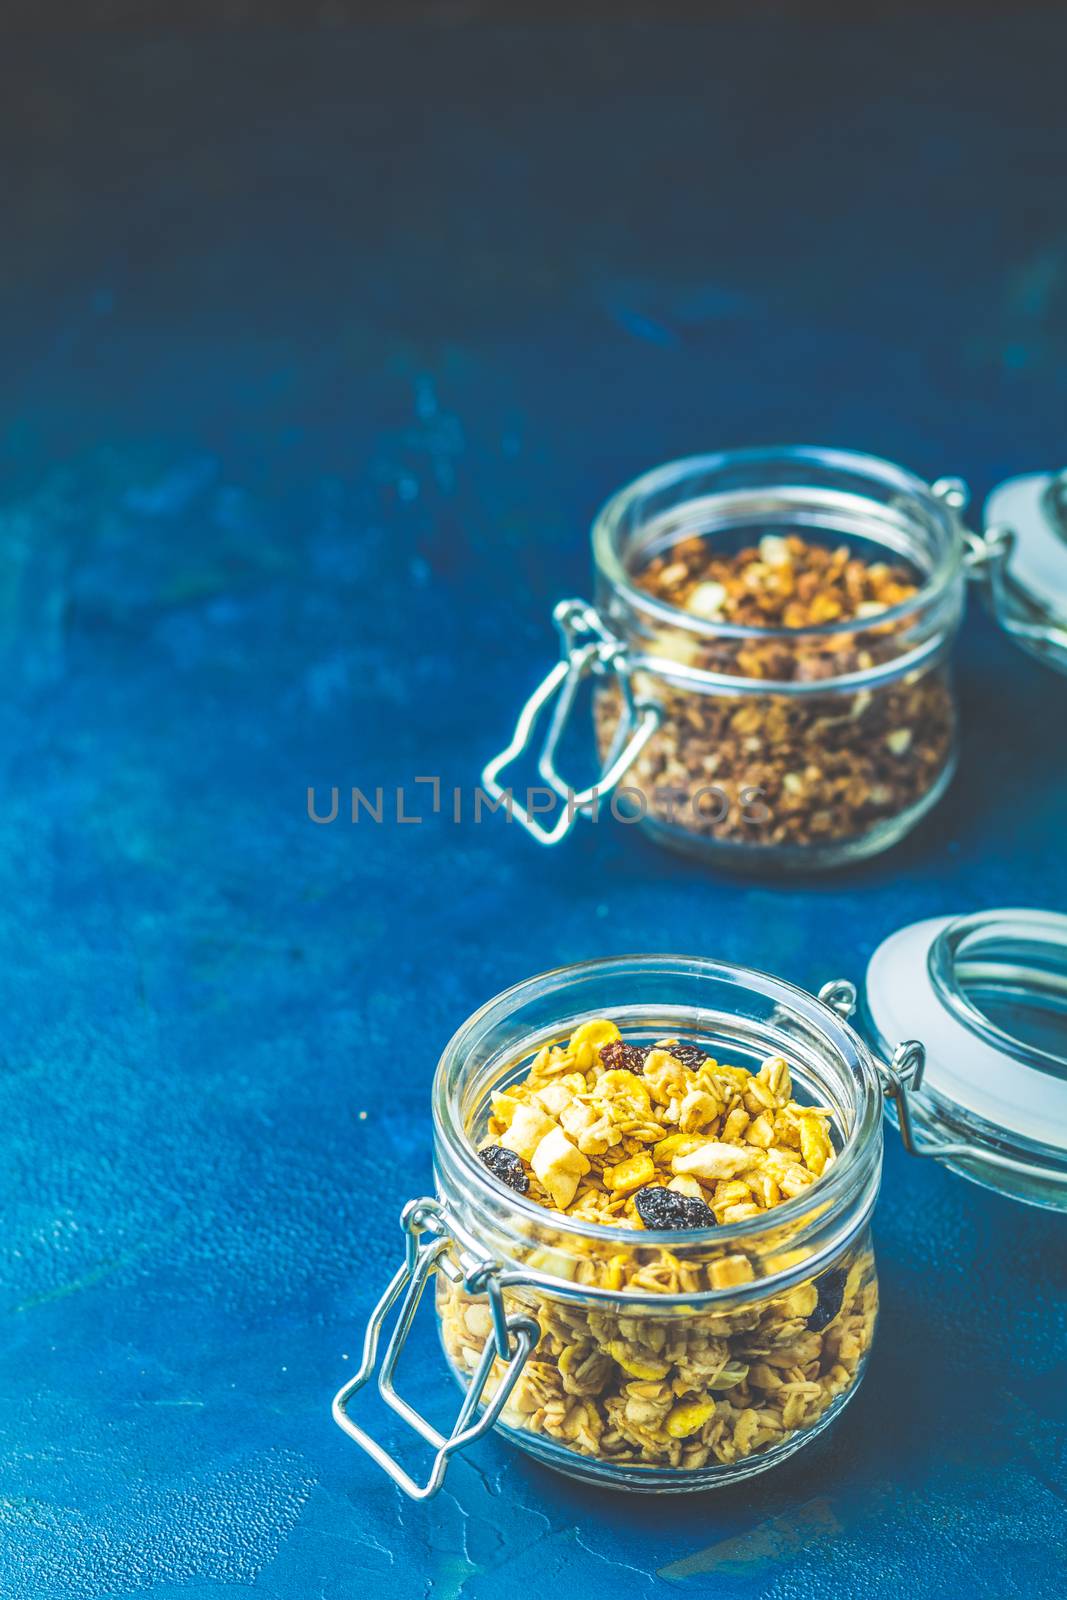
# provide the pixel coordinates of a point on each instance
(588, 1343)
(666, 1361)
(771, 748)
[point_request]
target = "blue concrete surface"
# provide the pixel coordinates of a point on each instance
(319, 351)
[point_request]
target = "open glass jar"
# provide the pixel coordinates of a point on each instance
(820, 729)
(654, 1359)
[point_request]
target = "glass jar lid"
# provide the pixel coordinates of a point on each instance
(987, 996)
(1024, 555)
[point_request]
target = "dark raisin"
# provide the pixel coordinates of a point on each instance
(618, 1056)
(689, 1055)
(505, 1165)
(665, 1209)
(831, 1287)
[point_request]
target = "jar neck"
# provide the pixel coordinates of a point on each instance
(738, 1015)
(733, 497)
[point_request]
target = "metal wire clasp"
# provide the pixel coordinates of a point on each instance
(427, 1238)
(987, 557)
(586, 647)
(900, 1076)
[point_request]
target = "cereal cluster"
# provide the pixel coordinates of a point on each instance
(784, 582)
(665, 1137)
(826, 767)
(598, 1123)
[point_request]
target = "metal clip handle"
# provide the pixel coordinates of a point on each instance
(586, 648)
(899, 1078)
(987, 561)
(421, 1258)
(902, 1077)
(986, 558)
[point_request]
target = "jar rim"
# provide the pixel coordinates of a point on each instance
(947, 962)
(606, 527)
(845, 1177)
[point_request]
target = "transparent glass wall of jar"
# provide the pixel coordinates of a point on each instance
(786, 746)
(666, 1361)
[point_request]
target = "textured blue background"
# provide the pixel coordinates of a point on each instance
(318, 353)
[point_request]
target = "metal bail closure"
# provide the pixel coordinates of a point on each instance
(1021, 559)
(587, 648)
(900, 1076)
(986, 1090)
(425, 1224)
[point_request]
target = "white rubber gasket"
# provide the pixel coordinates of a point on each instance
(1038, 563)
(961, 1066)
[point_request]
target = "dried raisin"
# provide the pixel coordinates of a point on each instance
(667, 1210)
(690, 1056)
(505, 1165)
(831, 1290)
(618, 1056)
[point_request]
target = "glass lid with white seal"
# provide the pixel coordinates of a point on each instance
(987, 997)
(1023, 558)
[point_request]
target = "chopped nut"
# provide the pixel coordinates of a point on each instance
(598, 1137)
(735, 1124)
(760, 1132)
(689, 1418)
(478, 1319)
(527, 1128)
(555, 1097)
(707, 600)
(673, 1145)
(630, 1174)
(632, 1362)
(775, 551)
(698, 1108)
(559, 1165)
(815, 1144)
(665, 1075)
(625, 1091)
(730, 1270)
(712, 1161)
(576, 1118)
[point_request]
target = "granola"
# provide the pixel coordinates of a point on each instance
(786, 769)
(611, 1131)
